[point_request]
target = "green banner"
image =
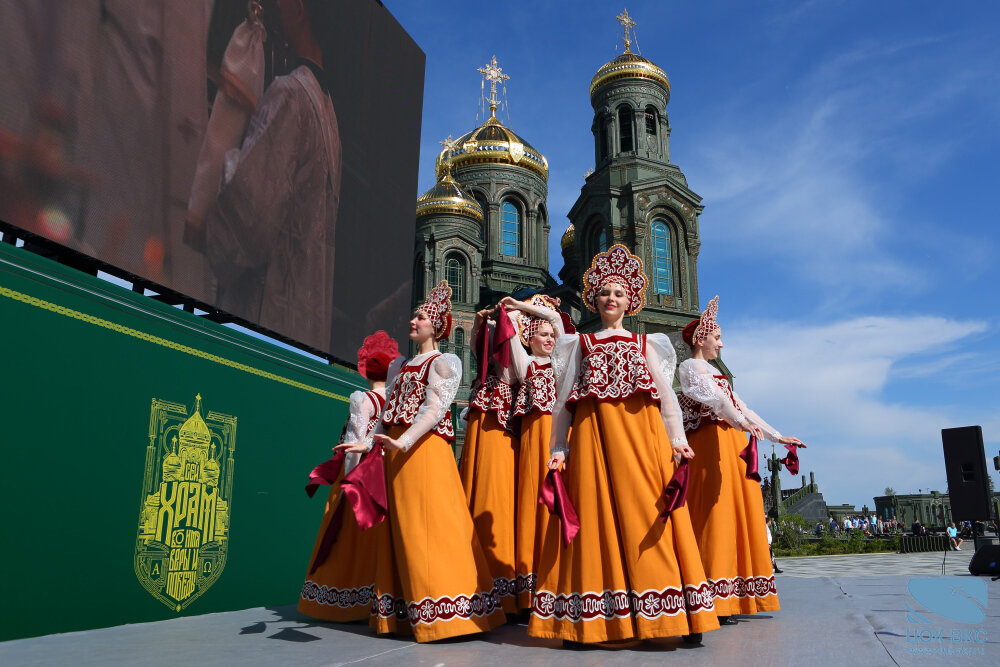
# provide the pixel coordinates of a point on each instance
(154, 462)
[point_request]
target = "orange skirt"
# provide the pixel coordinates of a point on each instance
(342, 588)
(532, 516)
(727, 512)
(431, 578)
(488, 471)
(626, 575)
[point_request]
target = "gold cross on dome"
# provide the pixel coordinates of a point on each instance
(494, 74)
(450, 146)
(627, 24)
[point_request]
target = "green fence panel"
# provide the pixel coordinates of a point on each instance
(153, 462)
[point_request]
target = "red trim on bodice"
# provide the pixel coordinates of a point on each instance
(493, 395)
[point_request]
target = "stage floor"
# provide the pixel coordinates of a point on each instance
(836, 610)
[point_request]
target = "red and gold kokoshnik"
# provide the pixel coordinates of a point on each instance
(527, 324)
(707, 323)
(616, 265)
(438, 309)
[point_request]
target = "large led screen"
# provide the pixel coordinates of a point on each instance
(258, 157)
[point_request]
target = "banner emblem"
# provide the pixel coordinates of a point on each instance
(183, 532)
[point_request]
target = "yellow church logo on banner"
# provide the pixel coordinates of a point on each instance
(183, 533)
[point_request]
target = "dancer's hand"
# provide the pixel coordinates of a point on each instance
(351, 447)
(753, 430)
(510, 302)
(682, 450)
(789, 440)
(387, 442)
(557, 461)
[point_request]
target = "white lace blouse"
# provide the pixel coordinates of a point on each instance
(704, 384)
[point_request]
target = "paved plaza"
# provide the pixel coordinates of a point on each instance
(836, 610)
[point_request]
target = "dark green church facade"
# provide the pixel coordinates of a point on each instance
(484, 226)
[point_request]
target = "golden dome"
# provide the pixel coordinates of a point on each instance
(494, 143)
(447, 196)
(569, 237)
(628, 66)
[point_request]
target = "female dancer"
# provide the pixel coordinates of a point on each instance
(538, 325)
(725, 501)
(628, 574)
(489, 464)
(431, 575)
(340, 583)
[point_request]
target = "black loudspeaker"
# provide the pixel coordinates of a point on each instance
(986, 560)
(965, 463)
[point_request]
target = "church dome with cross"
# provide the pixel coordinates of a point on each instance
(492, 142)
(628, 65)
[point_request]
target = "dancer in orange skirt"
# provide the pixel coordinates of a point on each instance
(340, 585)
(724, 496)
(538, 324)
(489, 463)
(431, 578)
(630, 572)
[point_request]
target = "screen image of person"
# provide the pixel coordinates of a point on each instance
(269, 238)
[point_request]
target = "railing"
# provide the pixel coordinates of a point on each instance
(910, 544)
(800, 494)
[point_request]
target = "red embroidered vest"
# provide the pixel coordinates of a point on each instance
(538, 391)
(613, 368)
(408, 393)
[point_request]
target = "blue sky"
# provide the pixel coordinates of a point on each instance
(845, 152)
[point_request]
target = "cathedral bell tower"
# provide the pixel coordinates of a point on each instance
(635, 195)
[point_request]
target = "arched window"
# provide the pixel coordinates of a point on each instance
(454, 273)
(651, 120)
(460, 353)
(625, 128)
(663, 271)
(510, 229)
(598, 238)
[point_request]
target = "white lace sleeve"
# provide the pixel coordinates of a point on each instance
(361, 412)
(518, 357)
(697, 382)
(770, 432)
(443, 378)
(661, 359)
(566, 358)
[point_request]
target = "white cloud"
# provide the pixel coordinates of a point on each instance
(834, 386)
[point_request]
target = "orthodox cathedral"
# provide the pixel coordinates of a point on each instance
(484, 226)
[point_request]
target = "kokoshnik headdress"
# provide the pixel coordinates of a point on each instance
(437, 306)
(527, 325)
(616, 265)
(698, 330)
(375, 355)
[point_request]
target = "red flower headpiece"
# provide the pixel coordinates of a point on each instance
(698, 330)
(438, 309)
(527, 325)
(375, 355)
(616, 265)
